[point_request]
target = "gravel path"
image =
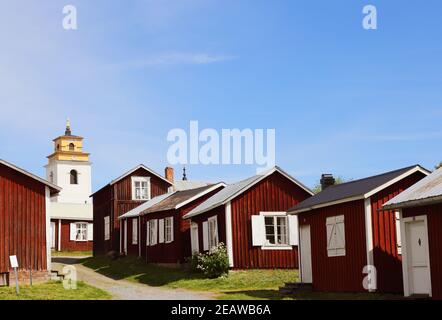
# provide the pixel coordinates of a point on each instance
(126, 290)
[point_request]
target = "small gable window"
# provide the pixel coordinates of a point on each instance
(71, 147)
(74, 177)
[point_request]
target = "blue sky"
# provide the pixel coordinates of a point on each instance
(342, 99)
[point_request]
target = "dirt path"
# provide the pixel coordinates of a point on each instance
(126, 290)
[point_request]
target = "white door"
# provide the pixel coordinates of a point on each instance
(306, 254)
(194, 238)
(418, 264)
(53, 235)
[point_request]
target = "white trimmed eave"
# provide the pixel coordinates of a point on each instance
(397, 179)
(414, 203)
(327, 204)
(214, 187)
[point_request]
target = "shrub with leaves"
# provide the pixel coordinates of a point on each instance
(213, 264)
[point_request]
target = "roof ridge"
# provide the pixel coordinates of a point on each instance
(374, 176)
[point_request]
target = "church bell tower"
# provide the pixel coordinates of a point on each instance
(69, 168)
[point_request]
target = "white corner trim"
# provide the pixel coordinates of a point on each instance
(369, 234)
(59, 235)
(48, 227)
(405, 277)
(139, 237)
(397, 179)
(229, 235)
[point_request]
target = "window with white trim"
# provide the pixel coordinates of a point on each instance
(398, 232)
(140, 188)
(152, 232)
(134, 231)
(276, 231)
(81, 231)
(107, 228)
(335, 236)
(213, 232)
(168, 230)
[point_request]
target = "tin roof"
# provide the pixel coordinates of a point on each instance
(427, 190)
(235, 189)
(353, 190)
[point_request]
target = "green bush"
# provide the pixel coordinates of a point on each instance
(213, 264)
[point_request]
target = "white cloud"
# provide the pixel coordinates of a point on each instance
(175, 58)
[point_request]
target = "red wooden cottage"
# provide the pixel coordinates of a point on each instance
(24, 223)
(250, 218)
(120, 196)
(344, 232)
(420, 209)
(156, 231)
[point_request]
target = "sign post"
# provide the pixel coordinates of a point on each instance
(14, 264)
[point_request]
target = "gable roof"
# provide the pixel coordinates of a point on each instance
(144, 206)
(124, 175)
(354, 190)
(53, 187)
(180, 198)
(233, 190)
(426, 191)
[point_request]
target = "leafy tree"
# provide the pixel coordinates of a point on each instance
(439, 165)
(338, 180)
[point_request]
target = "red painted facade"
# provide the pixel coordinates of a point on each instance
(115, 200)
(66, 243)
(345, 274)
(434, 222)
(22, 221)
(177, 251)
(275, 193)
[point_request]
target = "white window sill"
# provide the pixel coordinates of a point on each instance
(276, 248)
(80, 240)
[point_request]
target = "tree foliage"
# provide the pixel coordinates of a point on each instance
(338, 180)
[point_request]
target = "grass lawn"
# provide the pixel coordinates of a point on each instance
(239, 285)
(53, 291)
(71, 253)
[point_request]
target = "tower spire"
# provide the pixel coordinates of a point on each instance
(184, 174)
(68, 128)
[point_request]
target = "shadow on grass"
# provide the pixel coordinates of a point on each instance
(276, 295)
(132, 268)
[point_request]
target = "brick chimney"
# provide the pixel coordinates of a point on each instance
(327, 180)
(168, 173)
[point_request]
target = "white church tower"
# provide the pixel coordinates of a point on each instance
(71, 210)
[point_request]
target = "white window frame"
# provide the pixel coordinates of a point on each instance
(168, 230)
(134, 231)
(141, 180)
(153, 232)
(213, 238)
(397, 217)
(107, 228)
(335, 228)
(81, 226)
(275, 216)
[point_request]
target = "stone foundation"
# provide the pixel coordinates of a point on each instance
(24, 277)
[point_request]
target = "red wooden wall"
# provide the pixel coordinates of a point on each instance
(434, 221)
(115, 201)
(180, 248)
(387, 260)
(22, 221)
(275, 193)
(339, 274)
(66, 243)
